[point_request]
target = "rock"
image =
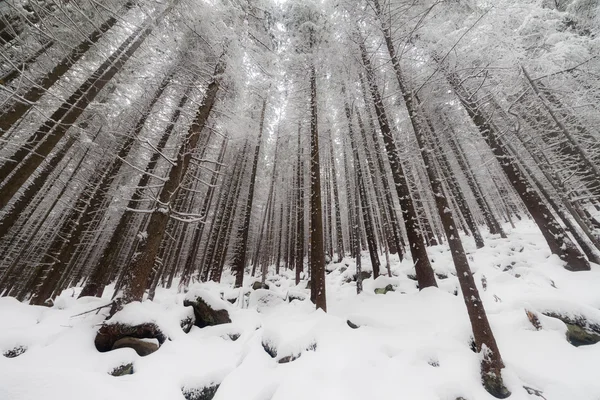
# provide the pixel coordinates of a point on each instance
(15, 352)
(234, 336)
(388, 288)
(434, 363)
(270, 349)
(495, 386)
(411, 277)
(264, 299)
(580, 332)
(287, 359)
(205, 393)
(352, 324)
(205, 315)
(578, 336)
(258, 285)
(296, 295)
(141, 346)
(363, 274)
(121, 370)
(187, 323)
(109, 334)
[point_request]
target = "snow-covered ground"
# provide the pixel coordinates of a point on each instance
(410, 344)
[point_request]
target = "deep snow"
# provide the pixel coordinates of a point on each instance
(410, 344)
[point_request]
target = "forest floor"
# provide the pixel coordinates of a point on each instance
(410, 344)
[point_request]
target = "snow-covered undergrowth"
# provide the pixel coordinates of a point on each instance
(409, 344)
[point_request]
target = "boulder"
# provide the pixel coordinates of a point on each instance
(352, 324)
(264, 299)
(363, 274)
(269, 348)
(15, 352)
(204, 393)
(296, 295)
(142, 347)
(384, 290)
(187, 323)
(207, 314)
(259, 285)
(109, 334)
(580, 332)
(121, 370)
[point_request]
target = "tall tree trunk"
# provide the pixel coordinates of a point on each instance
(192, 255)
(424, 272)
(18, 109)
(239, 263)
(139, 270)
(557, 239)
(362, 193)
(89, 202)
(491, 364)
(391, 209)
(106, 264)
(15, 173)
(299, 252)
(336, 200)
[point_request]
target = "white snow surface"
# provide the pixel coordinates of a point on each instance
(411, 344)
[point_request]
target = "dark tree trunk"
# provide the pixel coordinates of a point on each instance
(555, 236)
(192, 255)
(336, 199)
(17, 110)
(239, 263)
(362, 193)
(424, 272)
(26, 160)
(299, 253)
(106, 264)
(135, 281)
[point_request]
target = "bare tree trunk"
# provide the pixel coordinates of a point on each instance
(463, 206)
(195, 243)
(15, 173)
(299, 257)
(239, 263)
(17, 110)
(492, 364)
(135, 281)
(106, 264)
(424, 272)
(336, 200)
(362, 194)
(555, 236)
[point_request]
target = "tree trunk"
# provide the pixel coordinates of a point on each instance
(239, 263)
(424, 272)
(26, 160)
(106, 264)
(17, 110)
(555, 236)
(139, 270)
